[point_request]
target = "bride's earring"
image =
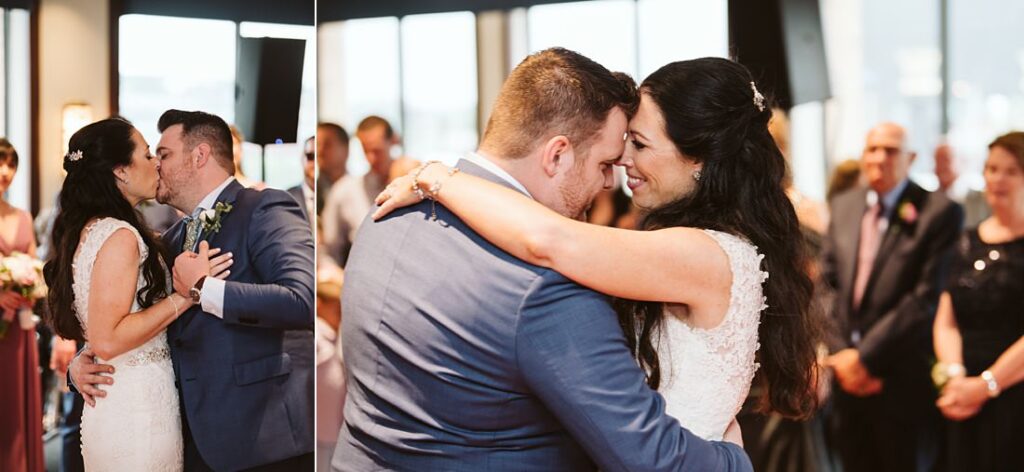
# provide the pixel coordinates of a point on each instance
(696, 175)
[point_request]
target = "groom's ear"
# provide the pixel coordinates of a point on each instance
(202, 154)
(556, 153)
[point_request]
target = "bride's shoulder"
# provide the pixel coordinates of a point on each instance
(98, 231)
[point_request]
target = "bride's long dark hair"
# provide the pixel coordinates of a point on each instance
(90, 192)
(710, 115)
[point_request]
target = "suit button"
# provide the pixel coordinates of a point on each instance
(178, 343)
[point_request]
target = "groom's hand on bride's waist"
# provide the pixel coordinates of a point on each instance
(87, 376)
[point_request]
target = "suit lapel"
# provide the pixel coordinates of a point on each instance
(228, 196)
(848, 239)
(897, 230)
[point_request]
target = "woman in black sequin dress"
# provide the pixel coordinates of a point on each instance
(979, 327)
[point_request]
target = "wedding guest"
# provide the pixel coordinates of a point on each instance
(886, 254)
(304, 193)
(351, 199)
(330, 371)
(237, 138)
(332, 159)
(845, 177)
(21, 421)
(812, 214)
(979, 328)
(947, 172)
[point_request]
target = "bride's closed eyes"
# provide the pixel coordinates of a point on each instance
(638, 145)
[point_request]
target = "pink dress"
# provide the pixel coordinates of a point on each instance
(21, 420)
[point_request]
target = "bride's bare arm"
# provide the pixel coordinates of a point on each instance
(675, 265)
(112, 329)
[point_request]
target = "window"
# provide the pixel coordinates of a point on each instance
(360, 76)
(678, 30)
(439, 88)
(885, 65)
(608, 35)
(986, 77)
(182, 63)
(15, 116)
(190, 64)
(419, 73)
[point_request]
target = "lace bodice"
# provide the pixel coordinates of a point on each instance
(97, 234)
(706, 373)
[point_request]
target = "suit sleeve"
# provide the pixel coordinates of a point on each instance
(573, 355)
(281, 253)
(915, 312)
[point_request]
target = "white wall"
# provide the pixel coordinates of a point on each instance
(74, 66)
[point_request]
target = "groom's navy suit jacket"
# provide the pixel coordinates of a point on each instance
(462, 357)
(246, 381)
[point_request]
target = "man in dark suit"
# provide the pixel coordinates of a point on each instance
(886, 254)
(461, 357)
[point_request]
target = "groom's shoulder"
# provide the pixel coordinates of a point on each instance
(265, 201)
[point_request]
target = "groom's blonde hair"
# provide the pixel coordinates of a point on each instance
(555, 92)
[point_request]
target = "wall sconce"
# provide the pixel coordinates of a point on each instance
(73, 118)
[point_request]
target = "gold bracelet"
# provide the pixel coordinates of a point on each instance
(173, 303)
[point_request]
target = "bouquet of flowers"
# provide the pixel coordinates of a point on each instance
(22, 274)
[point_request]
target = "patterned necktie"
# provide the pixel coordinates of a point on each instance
(191, 233)
(868, 250)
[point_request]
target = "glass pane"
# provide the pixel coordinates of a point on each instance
(252, 161)
(884, 63)
(677, 30)
(284, 164)
(19, 117)
(987, 74)
(439, 85)
(359, 76)
(181, 63)
(603, 30)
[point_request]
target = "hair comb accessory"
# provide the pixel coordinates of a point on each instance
(758, 98)
(75, 155)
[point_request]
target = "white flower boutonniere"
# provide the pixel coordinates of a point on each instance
(211, 218)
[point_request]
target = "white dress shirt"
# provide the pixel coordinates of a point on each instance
(480, 160)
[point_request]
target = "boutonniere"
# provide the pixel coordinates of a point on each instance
(907, 213)
(211, 217)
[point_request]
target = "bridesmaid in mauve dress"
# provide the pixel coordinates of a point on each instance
(21, 422)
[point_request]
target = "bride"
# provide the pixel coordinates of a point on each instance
(696, 300)
(109, 286)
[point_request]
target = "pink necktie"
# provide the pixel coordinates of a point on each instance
(869, 241)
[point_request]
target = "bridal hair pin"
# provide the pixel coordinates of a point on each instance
(758, 98)
(75, 155)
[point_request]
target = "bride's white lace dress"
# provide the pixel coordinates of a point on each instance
(706, 373)
(137, 426)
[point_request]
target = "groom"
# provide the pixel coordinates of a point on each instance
(461, 357)
(243, 356)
